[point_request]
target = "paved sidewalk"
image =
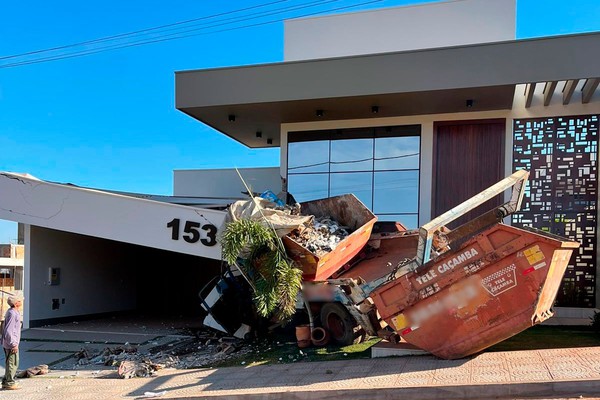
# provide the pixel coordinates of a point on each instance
(535, 373)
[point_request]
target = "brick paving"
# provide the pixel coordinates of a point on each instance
(533, 373)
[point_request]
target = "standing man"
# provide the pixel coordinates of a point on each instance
(11, 336)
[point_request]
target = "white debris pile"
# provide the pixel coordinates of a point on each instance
(322, 236)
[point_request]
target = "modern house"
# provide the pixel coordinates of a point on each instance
(417, 108)
(412, 109)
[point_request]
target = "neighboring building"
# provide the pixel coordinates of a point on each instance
(12, 258)
(415, 109)
(11, 272)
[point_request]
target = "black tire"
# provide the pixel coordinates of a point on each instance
(342, 327)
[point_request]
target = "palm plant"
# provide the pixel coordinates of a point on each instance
(260, 253)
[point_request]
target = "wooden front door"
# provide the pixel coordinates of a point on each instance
(468, 156)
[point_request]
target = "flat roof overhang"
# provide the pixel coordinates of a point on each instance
(262, 97)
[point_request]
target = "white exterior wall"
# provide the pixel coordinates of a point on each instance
(224, 183)
(422, 26)
(95, 275)
(27, 276)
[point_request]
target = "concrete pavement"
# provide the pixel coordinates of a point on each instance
(569, 372)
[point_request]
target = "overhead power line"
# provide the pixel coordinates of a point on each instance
(184, 34)
(172, 36)
(134, 33)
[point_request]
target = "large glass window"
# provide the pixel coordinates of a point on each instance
(358, 183)
(311, 157)
(380, 166)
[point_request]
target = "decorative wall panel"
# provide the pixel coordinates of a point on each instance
(561, 153)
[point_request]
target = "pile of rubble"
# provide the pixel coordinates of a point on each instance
(322, 236)
(108, 357)
(202, 351)
(213, 351)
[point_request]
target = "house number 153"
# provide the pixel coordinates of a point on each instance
(192, 233)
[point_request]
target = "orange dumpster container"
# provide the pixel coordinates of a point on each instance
(495, 285)
(346, 210)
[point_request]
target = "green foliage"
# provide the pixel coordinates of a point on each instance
(283, 349)
(275, 279)
(550, 337)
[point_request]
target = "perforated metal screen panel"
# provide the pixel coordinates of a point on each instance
(562, 155)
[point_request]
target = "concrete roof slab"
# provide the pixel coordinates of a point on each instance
(424, 81)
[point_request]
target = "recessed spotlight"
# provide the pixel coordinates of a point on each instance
(469, 103)
(319, 113)
(269, 141)
(258, 134)
(374, 109)
(231, 118)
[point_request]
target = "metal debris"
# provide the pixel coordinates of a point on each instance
(322, 236)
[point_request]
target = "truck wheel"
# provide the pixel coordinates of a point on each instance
(342, 327)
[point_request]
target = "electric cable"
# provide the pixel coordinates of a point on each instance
(155, 39)
(107, 38)
(151, 41)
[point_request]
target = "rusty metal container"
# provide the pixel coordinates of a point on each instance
(348, 211)
(495, 285)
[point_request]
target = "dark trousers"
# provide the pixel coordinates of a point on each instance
(12, 363)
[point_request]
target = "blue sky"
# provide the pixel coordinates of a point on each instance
(108, 120)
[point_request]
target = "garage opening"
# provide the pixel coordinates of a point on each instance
(77, 277)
